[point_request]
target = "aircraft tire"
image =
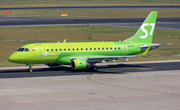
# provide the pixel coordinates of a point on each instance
(94, 68)
(30, 70)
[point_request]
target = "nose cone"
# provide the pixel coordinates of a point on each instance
(12, 58)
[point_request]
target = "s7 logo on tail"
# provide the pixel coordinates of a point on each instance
(146, 31)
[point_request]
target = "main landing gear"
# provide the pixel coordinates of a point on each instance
(93, 68)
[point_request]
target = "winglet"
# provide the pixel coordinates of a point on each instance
(64, 41)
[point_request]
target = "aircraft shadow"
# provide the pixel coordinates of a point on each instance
(103, 69)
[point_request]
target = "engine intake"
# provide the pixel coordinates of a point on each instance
(78, 64)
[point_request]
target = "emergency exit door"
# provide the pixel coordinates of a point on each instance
(39, 51)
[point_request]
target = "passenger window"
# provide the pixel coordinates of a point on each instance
(111, 48)
(90, 48)
(86, 48)
(56, 49)
(106, 48)
(51, 49)
(119, 48)
(77, 49)
(98, 48)
(94, 48)
(60, 49)
(26, 50)
(102, 48)
(81, 48)
(20, 49)
(69, 49)
(64, 49)
(73, 49)
(47, 49)
(114, 48)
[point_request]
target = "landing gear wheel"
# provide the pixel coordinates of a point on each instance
(30, 67)
(30, 70)
(94, 68)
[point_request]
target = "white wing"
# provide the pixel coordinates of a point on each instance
(102, 58)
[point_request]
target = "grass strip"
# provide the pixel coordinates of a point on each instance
(12, 38)
(57, 3)
(93, 13)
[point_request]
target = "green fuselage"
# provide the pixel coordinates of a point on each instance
(60, 53)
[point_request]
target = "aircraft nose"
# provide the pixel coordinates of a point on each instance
(12, 58)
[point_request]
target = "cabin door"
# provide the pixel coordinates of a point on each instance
(39, 51)
(125, 49)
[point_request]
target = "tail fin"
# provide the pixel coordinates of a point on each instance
(145, 32)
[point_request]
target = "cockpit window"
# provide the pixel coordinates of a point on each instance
(26, 50)
(20, 49)
(23, 49)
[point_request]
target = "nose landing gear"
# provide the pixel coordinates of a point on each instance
(30, 68)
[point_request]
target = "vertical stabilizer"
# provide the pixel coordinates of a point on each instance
(145, 32)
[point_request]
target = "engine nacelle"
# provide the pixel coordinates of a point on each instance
(78, 64)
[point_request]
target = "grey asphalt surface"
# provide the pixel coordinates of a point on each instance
(12, 21)
(126, 86)
(90, 7)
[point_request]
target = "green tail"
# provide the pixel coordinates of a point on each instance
(145, 32)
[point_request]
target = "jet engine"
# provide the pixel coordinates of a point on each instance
(78, 64)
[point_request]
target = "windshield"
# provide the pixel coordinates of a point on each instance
(26, 50)
(23, 49)
(20, 49)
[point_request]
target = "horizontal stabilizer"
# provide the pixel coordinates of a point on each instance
(154, 45)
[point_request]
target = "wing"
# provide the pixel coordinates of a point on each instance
(102, 58)
(112, 58)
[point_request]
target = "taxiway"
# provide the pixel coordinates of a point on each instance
(13, 21)
(127, 86)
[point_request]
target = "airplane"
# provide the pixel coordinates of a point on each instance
(82, 55)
